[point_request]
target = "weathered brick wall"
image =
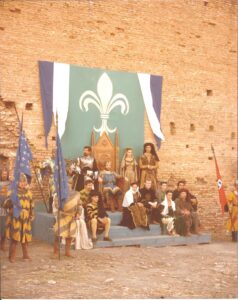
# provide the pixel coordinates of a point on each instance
(191, 43)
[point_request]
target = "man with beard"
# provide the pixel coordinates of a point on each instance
(85, 168)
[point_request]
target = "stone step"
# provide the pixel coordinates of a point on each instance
(115, 217)
(121, 236)
(43, 223)
(121, 231)
(156, 241)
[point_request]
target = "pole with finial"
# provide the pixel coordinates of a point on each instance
(59, 183)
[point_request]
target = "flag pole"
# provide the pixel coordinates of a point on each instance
(230, 214)
(33, 166)
(59, 196)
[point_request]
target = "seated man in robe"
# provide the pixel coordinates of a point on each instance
(98, 219)
(195, 217)
(194, 203)
(112, 193)
(183, 222)
(148, 199)
(134, 213)
(85, 168)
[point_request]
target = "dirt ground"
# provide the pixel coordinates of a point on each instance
(196, 271)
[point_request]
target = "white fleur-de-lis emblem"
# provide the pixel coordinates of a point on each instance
(104, 101)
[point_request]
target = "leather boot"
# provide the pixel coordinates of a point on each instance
(67, 247)
(119, 201)
(111, 201)
(56, 246)
(3, 240)
(119, 197)
(234, 236)
(12, 251)
(25, 250)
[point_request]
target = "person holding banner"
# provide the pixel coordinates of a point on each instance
(66, 225)
(19, 228)
(232, 203)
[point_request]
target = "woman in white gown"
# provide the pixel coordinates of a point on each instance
(82, 240)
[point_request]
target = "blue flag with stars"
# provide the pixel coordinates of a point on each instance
(22, 165)
(60, 176)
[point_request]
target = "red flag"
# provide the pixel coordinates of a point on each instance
(222, 194)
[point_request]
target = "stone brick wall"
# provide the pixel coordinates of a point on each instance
(191, 43)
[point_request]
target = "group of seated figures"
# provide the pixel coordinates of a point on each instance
(106, 180)
(142, 199)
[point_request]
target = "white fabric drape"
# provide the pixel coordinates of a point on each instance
(61, 94)
(144, 80)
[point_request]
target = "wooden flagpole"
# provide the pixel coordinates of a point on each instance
(59, 196)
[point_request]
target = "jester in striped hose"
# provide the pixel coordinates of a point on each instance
(19, 229)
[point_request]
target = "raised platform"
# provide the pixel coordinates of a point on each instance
(121, 236)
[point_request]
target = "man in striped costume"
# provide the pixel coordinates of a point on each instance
(19, 229)
(67, 224)
(98, 219)
(84, 194)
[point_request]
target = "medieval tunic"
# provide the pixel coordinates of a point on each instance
(129, 169)
(183, 222)
(86, 169)
(95, 211)
(109, 180)
(133, 215)
(84, 197)
(168, 214)
(111, 192)
(232, 223)
(145, 172)
(19, 229)
(160, 195)
(148, 199)
(67, 224)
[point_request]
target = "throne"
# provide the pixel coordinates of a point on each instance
(104, 150)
